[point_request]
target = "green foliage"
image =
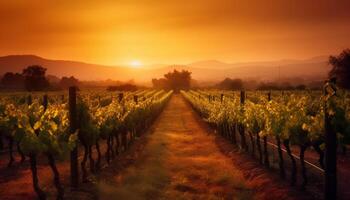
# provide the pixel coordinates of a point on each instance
(40, 131)
(298, 117)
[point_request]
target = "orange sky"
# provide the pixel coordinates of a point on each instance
(181, 31)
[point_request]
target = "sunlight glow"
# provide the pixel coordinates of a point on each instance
(135, 64)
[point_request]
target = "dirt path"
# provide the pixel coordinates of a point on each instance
(181, 160)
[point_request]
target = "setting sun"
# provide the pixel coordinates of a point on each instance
(135, 64)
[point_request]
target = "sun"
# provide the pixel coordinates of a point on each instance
(135, 64)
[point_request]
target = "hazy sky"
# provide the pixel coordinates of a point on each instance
(181, 31)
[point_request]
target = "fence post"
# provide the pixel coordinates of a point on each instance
(120, 97)
(74, 172)
(330, 152)
(45, 101)
(242, 97)
(266, 153)
(136, 99)
(242, 128)
(1, 141)
(29, 100)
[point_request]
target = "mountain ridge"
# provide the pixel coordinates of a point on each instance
(201, 70)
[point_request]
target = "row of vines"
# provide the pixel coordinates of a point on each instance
(295, 119)
(55, 127)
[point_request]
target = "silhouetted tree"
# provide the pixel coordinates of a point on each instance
(268, 86)
(13, 81)
(35, 79)
(230, 84)
(341, 68)
(123, 87)
(286, 86)
(53, 79)
(161, 83)
(67, 82)
(179, 80)
(176, 80)
(300, 87)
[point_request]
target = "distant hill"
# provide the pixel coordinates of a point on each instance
(311, 68)
(85, 71)
(211, 70)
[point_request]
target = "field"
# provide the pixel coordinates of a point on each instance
(43, 127)
(153, 144)
(284, 130)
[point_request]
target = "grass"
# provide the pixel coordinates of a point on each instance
(200, 171)
(145, 180)
(180, 161)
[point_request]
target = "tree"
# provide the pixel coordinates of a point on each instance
(286, 86)
(67, 82)
(230, 84)
(13, 81)
(161, 83)
(179, 80)
(123, 87)
(300, 87)
(268, 86)
(176, 80)
(341, 68)
(35, 79)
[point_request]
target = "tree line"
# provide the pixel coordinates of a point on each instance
(175, 80)
(340, 72)
(33, 78)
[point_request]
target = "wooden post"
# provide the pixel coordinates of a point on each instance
(266, 153)
(74, 172)
(120, 97)
(136, 99)
(29, 100)
(242, 97)
(330, 155)
(242, 128)
(45, 101)
(222, 98)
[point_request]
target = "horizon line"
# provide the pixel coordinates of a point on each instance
(155, 64)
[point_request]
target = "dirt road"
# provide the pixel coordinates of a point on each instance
(181, 159)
